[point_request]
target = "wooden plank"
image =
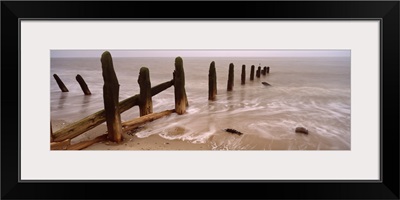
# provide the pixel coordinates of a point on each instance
(212, 82)
(60, 145)
(85, 144)
(145, 101)
(134, 123)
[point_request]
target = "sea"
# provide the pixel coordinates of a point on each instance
(309, 92)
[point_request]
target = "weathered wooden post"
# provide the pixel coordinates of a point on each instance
(268, 70)
(230, 77)
(60, 83)
(252, 73)
(258, 72)
(145, 101)
(243, 74)
(264, 71)
(111, 98)
(51, 133)
(212, 82)
(83, 85)
(179, 84)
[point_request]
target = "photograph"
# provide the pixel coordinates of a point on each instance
(228, 99)
(300, 98)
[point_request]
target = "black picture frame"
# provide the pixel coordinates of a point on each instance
(386, 11)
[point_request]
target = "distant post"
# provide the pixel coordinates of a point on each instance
(230, 77)
(268, 70)
(111, 98)
(258, 72)
(83, 85)
(145, 101)
(212, 82)
(264, 71)
(179, 84)
(252, 73)
(243, 74)
(60, 83)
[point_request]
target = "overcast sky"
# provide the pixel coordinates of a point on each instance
(202, 53)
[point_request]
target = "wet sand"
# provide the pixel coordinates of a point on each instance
(131, 141)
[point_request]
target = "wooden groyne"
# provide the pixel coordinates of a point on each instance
(111, 114)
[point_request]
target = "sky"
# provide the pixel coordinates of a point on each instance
(202, 53)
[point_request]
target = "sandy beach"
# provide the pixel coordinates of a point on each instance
(131, 141)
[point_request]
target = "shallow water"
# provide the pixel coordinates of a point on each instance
(310, 92)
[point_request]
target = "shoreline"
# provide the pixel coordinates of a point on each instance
(131, 142)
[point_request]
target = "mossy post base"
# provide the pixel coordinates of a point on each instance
(83, 85)
(60, 83)
(243, 74)
(145, 101)
(258, 74)
(212, 82)
(252, 73)
(179, 83)
(230, 77)
(110, 96)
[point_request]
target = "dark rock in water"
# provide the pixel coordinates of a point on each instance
(233, 131)
(265, 83)
(301, 130)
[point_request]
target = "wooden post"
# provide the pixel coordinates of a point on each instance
(110, 96)
(268, 70)
(230, 77)
(60, 83)
(243, 74)
(264, 71)
(145, 102)
(258, 72)
(83, 85)
(51, 133)
(252, 73)
(77, 128)
(179, 84)
(212, 82)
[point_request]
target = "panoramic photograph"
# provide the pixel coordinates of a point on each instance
(200, 100)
